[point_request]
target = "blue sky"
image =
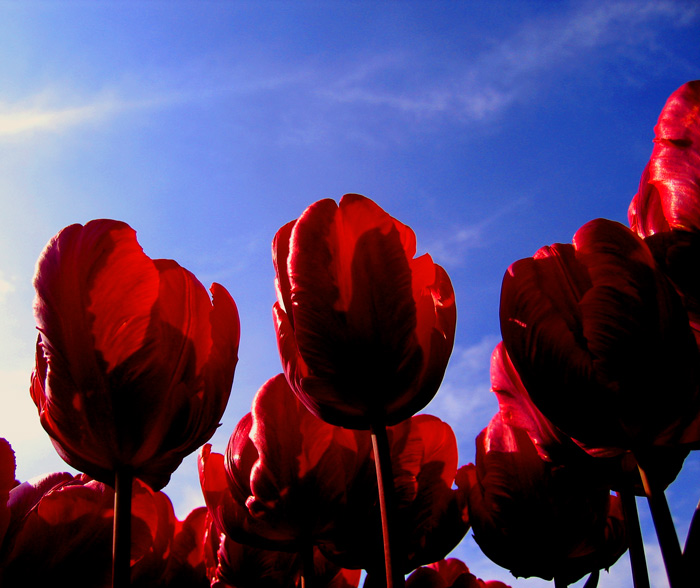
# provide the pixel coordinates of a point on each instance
(491, 128)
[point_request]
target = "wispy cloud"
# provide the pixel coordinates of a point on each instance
(6, 287)
(514, 67)
(452, 246)
(47, 113)
(464, 400)
(394, 80)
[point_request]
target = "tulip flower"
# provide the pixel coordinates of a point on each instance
(431, 518)
(669, 191)
(8, 468)
(535, 519)
(60, 532)
(187, 564)
(364, 329)
(244, 566)
(289, 479)
(134, 361)
(617, 468)
(601, 341)
(286, 476)
(666, 209)
(448, 573)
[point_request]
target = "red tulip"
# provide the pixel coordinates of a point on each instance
(244, 566)
(287, 475)
(289, 479)
(448, 573)
(364, 329)
(429, 513)
(60, 532)
(601, 340)
(618, 468)
(666, 209)
(187, 564)
(669, 191)
(7, 482)
(536, 519)
(516, 409)
(134, 361)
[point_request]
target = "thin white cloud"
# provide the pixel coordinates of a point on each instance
(451, 246)
(465, 401)
(6, 287)
(512, 68)
(42, 114)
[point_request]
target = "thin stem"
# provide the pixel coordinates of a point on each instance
(592, 581)
(387, 501)
(691, 551)
(638, 560)
(665, 530)
(121, 539)
(308, 569)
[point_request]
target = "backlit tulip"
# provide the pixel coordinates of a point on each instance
(618, 468)
(428, 520)
(243, 566)
(287, 476)
(60, 532)
(364, 329)
(666, 209)
(601, 340)
(516, 409)
(187, 564)
(536, 519)
(134, 360)
(289, 479)
(669, 191)
(8, 467)
(448, 573)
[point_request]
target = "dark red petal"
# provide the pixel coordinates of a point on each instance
(280, 260)
(674, 168)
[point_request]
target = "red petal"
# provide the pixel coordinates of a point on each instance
(669, 192)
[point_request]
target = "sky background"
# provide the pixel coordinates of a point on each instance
(491, 128)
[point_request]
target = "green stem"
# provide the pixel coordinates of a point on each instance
(387, 502)
(121, 539)
(665, 530)
(638, 561)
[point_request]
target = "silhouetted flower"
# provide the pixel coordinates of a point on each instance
(535, 518)
(601, 340)
(364, 330)
(134, 362)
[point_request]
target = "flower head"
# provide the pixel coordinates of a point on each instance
(134, 361)
(364, 329)
(601, 340)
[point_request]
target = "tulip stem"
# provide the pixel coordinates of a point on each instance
(691, 551)
(121, 539)
(638, 560)
(593, 579)
(308, 570)
(387, 501)
(665, 530)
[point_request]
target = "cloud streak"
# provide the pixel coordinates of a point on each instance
(502, 75)
(42, 113)
(394, 80)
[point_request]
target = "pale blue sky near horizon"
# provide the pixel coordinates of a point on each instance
(491, 128)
